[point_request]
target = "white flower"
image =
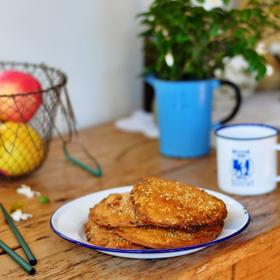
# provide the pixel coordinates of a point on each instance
(158, 28)
(18, 215)
(169, 59)
(211, 63)
(27, 191)
(269, 70)
(237, 62)
(235, 70)
(165, 33)
(260, 48)
(218, 73)
(211, 4)
(226, 59)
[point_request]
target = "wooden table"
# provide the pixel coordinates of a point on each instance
(255, 254)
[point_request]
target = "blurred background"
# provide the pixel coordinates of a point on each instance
(96, 44)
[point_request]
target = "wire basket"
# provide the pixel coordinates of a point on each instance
(27, 118)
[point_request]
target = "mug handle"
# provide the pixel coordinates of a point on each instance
(238, 101)
(277, 149)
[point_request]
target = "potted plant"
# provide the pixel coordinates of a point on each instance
(185, 44)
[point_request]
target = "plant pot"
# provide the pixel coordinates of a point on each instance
(184, 110)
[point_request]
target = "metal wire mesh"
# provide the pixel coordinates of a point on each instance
(26, 129)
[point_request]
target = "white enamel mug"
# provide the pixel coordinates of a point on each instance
(247, 159)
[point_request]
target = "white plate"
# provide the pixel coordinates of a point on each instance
(68, 222)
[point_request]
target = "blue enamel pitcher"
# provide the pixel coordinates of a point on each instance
(184, 110)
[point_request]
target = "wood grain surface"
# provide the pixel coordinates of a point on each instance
(255, 254)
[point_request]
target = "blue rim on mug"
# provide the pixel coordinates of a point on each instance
(276, 131)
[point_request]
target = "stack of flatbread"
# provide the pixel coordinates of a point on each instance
(157, 213)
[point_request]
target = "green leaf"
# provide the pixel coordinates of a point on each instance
(195, 39)
(181, 38)
(214, 30)
(244, 15)
(146, 33)
(43, 199)
(261, 72)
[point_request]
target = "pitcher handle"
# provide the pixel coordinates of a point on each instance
(150, 79)
(236, 108)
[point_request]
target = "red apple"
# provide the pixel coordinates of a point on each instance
(19, 97)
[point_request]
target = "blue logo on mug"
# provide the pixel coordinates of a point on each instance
(242, 167)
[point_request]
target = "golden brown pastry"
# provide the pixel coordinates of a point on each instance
(105, 237)
(155, 237)
(116, 210)
(167, 203)
(158, 213)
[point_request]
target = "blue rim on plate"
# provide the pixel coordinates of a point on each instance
(276, 131)
(150, 251)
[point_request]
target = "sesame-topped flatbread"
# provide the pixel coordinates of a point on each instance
(116, 210)
(155, 237)
(167, 203)
(105, 237)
